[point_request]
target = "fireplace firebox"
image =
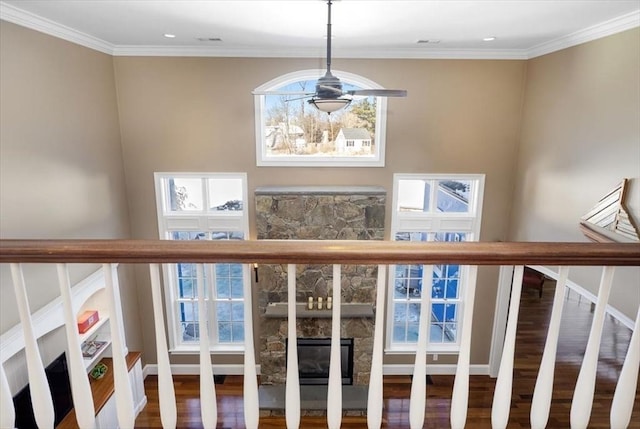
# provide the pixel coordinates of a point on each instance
(314, 355)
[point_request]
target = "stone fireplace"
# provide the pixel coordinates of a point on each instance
(336, 213)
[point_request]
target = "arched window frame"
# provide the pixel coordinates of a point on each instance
(347, 160)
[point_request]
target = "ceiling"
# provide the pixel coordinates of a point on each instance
(362, 29)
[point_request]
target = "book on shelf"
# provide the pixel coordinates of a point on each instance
(91, 347)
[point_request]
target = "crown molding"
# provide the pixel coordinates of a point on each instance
(406, 53)
(26, 19)
(606, 28)
(23, 18)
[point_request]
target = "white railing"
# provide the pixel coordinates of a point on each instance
(473, 254)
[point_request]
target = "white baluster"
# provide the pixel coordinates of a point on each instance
(80, 388)
(7, 411)
(502, 392)
(541, 402)
(585, 386)
(166, 391)
(208, 404)
(334, 390)
(38, 385)
(122, 386)
(292, 384)
(460, 393)
(251, 406)
(625, 393)
(374, 400)
(419, 382)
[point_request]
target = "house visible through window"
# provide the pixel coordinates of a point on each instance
(431, 208)
(208, 206)
(291, 132)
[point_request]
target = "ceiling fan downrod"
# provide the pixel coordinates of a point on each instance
(329, 2)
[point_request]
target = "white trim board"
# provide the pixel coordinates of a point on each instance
(613, 312)
(26, 19)
(50, 317)
(389, 369)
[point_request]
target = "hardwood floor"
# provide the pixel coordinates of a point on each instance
(534, 316)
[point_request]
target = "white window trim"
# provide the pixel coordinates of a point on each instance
(196, 221)
(262, 160)
(415, 222)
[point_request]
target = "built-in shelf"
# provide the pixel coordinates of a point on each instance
(276, 310)
(95, 328)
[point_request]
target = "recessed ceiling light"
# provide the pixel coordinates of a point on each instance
(169, 36)
(489, 39)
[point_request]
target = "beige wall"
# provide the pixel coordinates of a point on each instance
(580, 137)
(197, 114)
(61, 173)
(65, 154)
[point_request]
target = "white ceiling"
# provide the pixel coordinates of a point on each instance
(361, 28)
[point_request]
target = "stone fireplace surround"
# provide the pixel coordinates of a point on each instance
(331, 213)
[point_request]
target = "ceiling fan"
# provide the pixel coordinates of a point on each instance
(329, 95)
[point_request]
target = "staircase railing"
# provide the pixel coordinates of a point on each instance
(337, 253)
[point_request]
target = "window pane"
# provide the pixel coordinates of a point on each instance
(223, 287)
(187, 281)
(450, 332)
(451, 311)
(413, 313)
(185, 194)
(237, 311)
(224, 332)
(400, 312)
(237, 288)
(190, 331)
(437, 312)
(413, 195)
(412, 332)
(237, 332)
(188, 235)
(293, 128)
(225, 194)
(438, 288)
(223, 311)
(222, 270)
(188, 318)
(399, 333)
(436, 333)
(453, 196)
(408, 280)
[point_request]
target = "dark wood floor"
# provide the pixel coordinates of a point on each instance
(534, 317)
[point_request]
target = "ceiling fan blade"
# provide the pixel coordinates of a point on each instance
(337, 91)
(298, 98)
(378, 92)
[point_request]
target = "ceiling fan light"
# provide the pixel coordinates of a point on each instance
(329, 105)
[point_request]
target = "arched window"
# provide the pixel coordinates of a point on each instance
(292, 132)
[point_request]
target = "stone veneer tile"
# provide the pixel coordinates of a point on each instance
(336, 213)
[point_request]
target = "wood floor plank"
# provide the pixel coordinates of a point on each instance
(534, 317)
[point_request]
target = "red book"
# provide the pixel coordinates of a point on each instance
(86, 320)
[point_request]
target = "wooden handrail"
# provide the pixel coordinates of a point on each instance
(318, 251)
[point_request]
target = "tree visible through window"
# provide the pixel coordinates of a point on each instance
(204, 207)
(290, 131)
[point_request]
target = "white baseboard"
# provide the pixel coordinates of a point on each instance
(194, 369)
(390, 369)
(433, 369)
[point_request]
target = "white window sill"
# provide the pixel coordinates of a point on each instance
(409, 350)
(217, 349)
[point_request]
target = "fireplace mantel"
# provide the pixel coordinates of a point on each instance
(278, 310)
(320, 190)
